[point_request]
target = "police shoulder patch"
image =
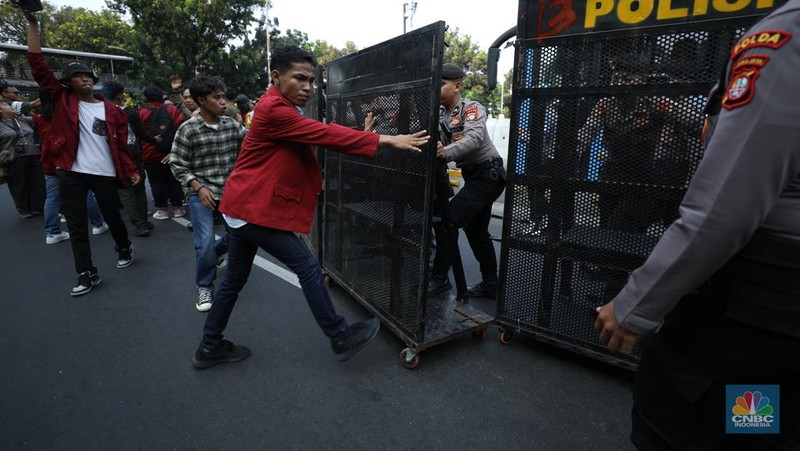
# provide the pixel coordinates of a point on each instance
(773, 39)
(749, 62)
(471, 113)
(741, 88)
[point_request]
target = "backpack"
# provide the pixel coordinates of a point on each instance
(161, 124)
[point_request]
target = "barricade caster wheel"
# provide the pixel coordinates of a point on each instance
(505, 336)
(409, 358)
(481, 334)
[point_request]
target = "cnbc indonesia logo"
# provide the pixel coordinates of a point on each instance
(753, 411)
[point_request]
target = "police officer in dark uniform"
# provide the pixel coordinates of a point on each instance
(719, 297)
(465, 140)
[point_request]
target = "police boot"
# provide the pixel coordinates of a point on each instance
(485, 289)
(438, 285)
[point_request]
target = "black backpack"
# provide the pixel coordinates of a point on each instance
(161, 124)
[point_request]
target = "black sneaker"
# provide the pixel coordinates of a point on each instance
(438, 285)
(360, 335)
(86, 280)
(226, 352)
(142, 231)
(124, 257)
(483, 290)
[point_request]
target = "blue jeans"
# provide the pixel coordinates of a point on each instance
(206, 247)
(52, 206)
(289, 250)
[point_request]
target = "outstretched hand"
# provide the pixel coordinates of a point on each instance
(611, 333)
(369, 122)
(407, 142)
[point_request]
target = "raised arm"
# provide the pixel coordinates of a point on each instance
(34, 43)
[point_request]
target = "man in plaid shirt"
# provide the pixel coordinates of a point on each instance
(203, 155)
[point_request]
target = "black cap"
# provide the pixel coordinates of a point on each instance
(71, 68)
(452, 72)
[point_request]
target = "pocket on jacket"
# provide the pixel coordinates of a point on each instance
(55, 145)
(286, 201)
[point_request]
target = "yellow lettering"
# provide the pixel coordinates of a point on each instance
(760, 4)
(700, 7)
(596, 8)
(729, 6)
(665, 11)
(626, 13)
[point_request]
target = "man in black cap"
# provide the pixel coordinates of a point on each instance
(88, 143)
(465, 140)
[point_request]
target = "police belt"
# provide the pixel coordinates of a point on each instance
(762, 279)
(494, 162)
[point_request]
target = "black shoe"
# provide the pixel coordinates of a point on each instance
(226, 352)
(142, 231)
(438, 285)
(86, 280)
(483, 290)
(149, 225)
(360, 335)
(124, 257)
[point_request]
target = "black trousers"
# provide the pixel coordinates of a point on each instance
(741, 328)
(134, 201)
(26, 183)
(471, 210)
(74, 186)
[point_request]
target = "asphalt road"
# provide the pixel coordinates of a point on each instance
(112, 369)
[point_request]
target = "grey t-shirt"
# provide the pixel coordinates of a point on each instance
(747, 182)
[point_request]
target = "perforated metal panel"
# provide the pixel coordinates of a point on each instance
(378, 212)
(315, 109)
(606, 135)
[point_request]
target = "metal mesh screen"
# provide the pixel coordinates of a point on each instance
(606, 134)
(378, 212)
(315, 109)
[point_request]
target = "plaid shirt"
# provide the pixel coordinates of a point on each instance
(208, 155)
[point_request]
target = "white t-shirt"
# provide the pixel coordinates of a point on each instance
(234, 223)
(94, 153)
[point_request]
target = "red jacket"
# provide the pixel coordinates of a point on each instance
(43, 127)
(149, 152)
(61, 144)
(276, 180)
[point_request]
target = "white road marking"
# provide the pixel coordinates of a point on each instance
(261, 262)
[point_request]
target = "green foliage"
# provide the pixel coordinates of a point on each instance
(462, 51)
(183, 36)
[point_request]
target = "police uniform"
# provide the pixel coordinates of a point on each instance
(736, 251)
(467, 143)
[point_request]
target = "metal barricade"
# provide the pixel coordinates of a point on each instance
(378, 213)
(315, 109)
(606, 134)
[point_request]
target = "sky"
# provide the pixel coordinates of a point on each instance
(339, 21)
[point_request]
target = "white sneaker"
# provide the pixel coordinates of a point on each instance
(204, 298)
(62, 218)
(100, 230)
(57, 238)
(161, 214)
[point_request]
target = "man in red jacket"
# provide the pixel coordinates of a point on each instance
(163, 184)
(271, 195)
(88, 144)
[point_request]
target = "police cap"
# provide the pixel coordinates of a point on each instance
(452, 72)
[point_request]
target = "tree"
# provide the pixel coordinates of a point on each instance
(184, 34)
(460, 50)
